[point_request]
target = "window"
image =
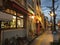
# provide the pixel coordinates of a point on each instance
(9, 24)
(4, 24)
(13, 22)
(19, 22)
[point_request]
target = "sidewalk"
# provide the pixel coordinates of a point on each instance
(31, 41)
(45, 39)
(42, 39)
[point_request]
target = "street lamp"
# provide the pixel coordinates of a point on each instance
(54, 17)
(54, 23)
(51, 14)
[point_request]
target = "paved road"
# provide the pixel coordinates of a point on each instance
(44, 39)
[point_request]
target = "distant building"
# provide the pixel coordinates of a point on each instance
(58, 24)
(46, 22)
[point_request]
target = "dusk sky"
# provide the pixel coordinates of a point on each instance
(45, 10)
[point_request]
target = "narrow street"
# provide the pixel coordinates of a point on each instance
(44, 39)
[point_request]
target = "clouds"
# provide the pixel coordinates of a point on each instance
(45, 3)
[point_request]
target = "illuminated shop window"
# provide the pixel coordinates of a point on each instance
(9, 24)
(5, 24)
(19, 22)
(7, 10)
(13, 22)
(10, 11)
(2, 24)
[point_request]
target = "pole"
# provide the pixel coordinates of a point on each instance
(54, 17)
(55, 35)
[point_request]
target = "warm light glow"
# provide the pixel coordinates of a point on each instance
(14, 13)
(52, 14)
(30, 11)
(18, 22)
(40, 18)
(14, 17)
(21, 16)
(58, 23)
(32, 17)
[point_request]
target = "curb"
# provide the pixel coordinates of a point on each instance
(34, 39)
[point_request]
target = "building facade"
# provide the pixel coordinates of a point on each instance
(39, 18)
(20, 18)
(46, 22)
(13, 15)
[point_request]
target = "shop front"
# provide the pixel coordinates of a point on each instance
(31, 24)
(31, 28)
(39, 28)
(12, 21)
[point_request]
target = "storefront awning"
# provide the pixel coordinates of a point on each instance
(5, 16)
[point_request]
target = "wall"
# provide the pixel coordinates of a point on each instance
(13, 33)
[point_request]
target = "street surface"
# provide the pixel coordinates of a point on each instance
(44, 39)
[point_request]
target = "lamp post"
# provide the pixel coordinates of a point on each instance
(51, 14)
(55, 35)
(54, 17)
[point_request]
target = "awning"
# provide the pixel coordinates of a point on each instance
(5, 16)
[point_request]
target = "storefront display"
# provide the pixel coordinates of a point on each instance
(11, 20)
